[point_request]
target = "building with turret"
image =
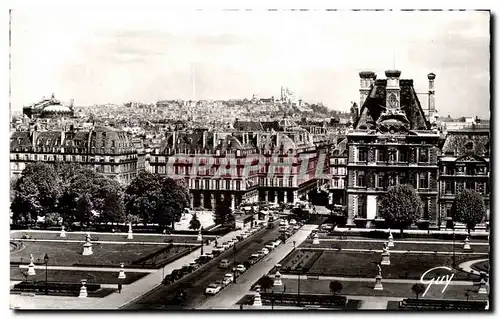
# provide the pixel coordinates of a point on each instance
(392, 142)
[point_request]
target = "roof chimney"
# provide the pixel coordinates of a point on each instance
(431, 96)
(367, 79)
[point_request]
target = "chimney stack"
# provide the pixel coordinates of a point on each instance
(393, 91)
(367, 79)
(432, 104)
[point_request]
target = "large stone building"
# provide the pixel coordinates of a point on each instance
(49, 108)
(273, 155)
(391, 143)
(464, 164)
(103, 149)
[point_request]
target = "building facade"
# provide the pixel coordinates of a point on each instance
(390, 143)
(464, 164)
(254, 161)
(103, 149)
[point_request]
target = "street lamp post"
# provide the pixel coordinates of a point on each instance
(234, 263)
(201, 232)
(298, 291)
(453, 260)
(46, 260)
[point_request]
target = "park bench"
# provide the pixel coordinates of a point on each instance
(435, 304)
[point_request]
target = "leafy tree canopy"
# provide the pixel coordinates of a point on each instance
(468, 208)
(401, 206)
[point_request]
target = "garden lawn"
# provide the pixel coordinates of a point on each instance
(74, 276)
(397, 246)
(101, 293)
(111, 237)
(311, 286)
(362, 265)
(69, 254)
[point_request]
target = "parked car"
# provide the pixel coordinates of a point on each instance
(277, 242)
(227, 244)
(213, 289)
(208, 255)
(293, 222)
(265, 251)
(254, 258)
(217, 251)
(241, 268)
(194, 265)
(224, 263)
(270, 245)
(228, 278)
(296, 227)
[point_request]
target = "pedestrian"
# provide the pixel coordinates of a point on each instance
(120, 288)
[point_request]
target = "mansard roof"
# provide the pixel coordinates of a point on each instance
(375, 104)
(463, 143)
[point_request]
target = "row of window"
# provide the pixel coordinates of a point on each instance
(382, 180)
(70, 158)
(463, 170)
(215, 184)
(455, 187)
(383, 155)
(338, 171)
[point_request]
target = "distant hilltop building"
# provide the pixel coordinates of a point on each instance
(288, 96)
(49, 108)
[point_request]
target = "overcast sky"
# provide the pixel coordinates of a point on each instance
(114, 57)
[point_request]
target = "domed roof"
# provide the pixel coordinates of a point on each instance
(57, 108)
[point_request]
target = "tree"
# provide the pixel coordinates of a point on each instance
(156, 199)
(418, 289)
(109, 201)
(468, 208)
(223, 213)
(194, 223)
(52, 219)
(401, 206)
(265, 282)
(36, 193)
(335, 287)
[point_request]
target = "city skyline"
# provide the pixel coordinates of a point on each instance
(97, 58)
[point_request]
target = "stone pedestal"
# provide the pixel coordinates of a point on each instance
(63, 233)
(31, 267)
(121, 274)
(315, 239)
(233, 202)
(386, 259)
(87, 249)
(277, 279)
(130, 234)
(83, 290)
(391, 240)
(378, 283)
(482, 287)
(257, 301)
(467, 243)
